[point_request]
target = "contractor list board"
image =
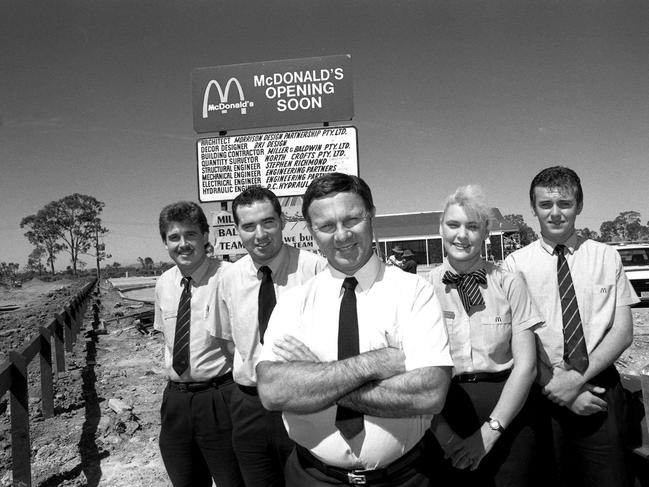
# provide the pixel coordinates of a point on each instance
(284, 162)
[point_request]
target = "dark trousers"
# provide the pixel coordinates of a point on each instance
(516, 459)
(259, 438)
(196, 437)
(421, 473)
(591, 450)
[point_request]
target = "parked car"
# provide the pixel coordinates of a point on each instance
(635, 258)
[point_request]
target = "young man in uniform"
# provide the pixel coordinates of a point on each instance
(581, 290)
(247, 294)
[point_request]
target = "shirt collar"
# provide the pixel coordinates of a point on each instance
(275, 263)
(478, 265)
(571, 244)
(365, 276)
(198, 275)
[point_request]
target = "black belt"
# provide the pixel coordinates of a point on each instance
(482, 377)
(201, 386)
(250, 390)
(358, 476)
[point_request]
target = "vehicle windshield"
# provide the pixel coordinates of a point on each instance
(634, 257)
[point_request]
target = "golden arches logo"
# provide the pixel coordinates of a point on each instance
(224, 104)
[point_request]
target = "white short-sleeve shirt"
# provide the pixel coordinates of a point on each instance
(600, 286)
(206, 358)
(481, 342)
(394, 308)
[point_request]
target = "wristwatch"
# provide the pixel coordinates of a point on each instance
(495, 425)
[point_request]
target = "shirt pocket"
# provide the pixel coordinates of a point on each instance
(600, 304)
(496, 337)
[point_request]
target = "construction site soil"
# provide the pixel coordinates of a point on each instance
(106, 423)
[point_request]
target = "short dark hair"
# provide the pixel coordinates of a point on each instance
(336, 182)
(182, 212)
(559, 177)
(255, 193)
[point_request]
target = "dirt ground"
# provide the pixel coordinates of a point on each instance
(90, 443)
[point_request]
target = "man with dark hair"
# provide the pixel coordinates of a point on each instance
(409, 262)
(247, 294)
(357, 358)
(195, 433)
(580, 288)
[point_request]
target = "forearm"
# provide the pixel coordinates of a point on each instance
(616, 340)
(307, 386)
(543, 373)
(518, 384)
(421, 391)
(442, 430)
(513, 395)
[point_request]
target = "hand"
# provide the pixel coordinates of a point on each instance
(293, 350)
(451, 444)
(587, 403)
(564, 386)
(471, 450)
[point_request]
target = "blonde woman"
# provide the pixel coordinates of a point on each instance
(485, 428)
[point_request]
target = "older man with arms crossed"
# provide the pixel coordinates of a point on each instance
(580, 288)
(357, 358)
(247, 294)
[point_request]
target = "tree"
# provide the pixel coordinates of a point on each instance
(588, 233)
(78, 216)
(71, 224)
(146, 263)
(34, 260)
(8, 271)
(626, 226)
(45, 233)
(525, 231)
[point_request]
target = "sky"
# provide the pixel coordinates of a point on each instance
(95, 98)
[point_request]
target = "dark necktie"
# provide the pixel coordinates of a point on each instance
(348, 421)
(574, 345)
(266, 300)
(180, 361)
(467, 286)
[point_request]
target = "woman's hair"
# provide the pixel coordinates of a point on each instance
(470, 197)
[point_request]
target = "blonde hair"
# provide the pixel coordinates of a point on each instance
(470, 197)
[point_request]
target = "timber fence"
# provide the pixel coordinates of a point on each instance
(59, 336)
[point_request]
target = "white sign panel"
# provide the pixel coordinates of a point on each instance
(284, 162)
(226, 240)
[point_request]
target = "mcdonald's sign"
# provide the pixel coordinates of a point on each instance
(272, 93)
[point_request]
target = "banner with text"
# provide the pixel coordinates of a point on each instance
(284, 162)
(286, 92)
(226, 240)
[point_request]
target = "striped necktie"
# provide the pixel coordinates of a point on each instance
(574, 344)
(467, 286)
(349, 422)
(265, 300)
(180, 361)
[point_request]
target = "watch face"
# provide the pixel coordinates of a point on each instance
(494, 424)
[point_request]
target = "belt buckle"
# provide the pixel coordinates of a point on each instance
(472, 378)
(355, 477)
